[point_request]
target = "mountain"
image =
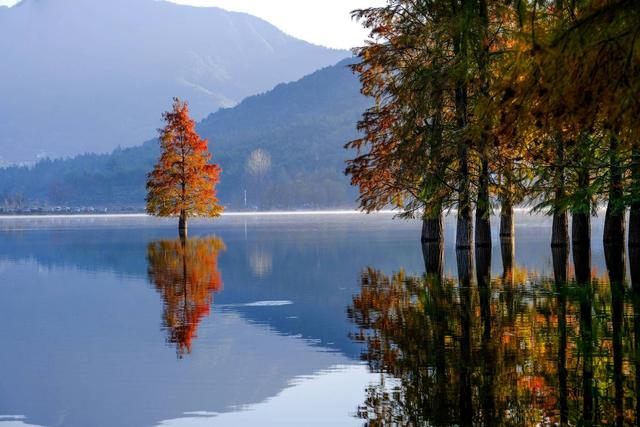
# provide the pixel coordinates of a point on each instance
(283, 147)
(82, 76)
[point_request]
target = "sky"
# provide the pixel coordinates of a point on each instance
(323, 22)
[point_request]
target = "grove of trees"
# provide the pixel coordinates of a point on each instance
(485, 103)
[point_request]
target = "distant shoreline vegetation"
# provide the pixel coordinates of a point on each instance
(141, 213)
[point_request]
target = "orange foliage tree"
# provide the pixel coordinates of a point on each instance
(186, 274)
(183, 181)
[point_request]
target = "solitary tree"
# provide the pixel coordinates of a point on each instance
(183, 181)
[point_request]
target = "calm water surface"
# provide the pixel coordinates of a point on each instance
(309, 320)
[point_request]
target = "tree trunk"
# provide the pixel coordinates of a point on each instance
(560, 264)
(560, 231)
(432, 227)
(464, 231)
(582, 263)
(465, 268)
(507, 223)
(483, 204)
(614, 219)
(581, 229)
(433, 241)
(634, 215)
(615, 260)
(433, 254)
(488, 353)
(508, 252)
(613, 226)
(483, 266)
(182, 224)
(460, 46)
(581, 220)
(582, 266)
(483, 209)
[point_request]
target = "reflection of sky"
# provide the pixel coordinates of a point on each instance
(319, 400)
(90, 350)
(14, 421)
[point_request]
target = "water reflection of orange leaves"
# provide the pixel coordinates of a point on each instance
(413, 328)
(516, 276)
(507, 338)
(186, 274)
(534, 384)
(595, 274)
(522, 275)
(606, 344)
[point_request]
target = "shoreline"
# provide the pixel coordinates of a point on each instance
(338, 212)
(225, 214)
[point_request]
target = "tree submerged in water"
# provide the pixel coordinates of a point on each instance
(183, 181)
(481, 103)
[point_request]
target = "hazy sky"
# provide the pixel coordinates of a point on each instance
(325, 22)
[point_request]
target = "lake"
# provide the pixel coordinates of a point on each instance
(309, 320)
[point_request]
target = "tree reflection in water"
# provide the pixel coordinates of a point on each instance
(514, 349)
(185, 272)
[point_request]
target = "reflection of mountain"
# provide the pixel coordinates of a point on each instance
(186, 274)
(86, 350)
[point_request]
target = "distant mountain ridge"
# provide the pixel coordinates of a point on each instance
(299, 129)
(90, 75)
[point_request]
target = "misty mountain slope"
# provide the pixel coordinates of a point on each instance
(88, 75)
(298, 128)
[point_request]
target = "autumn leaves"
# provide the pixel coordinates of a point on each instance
(491, 103)
(183, 181)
